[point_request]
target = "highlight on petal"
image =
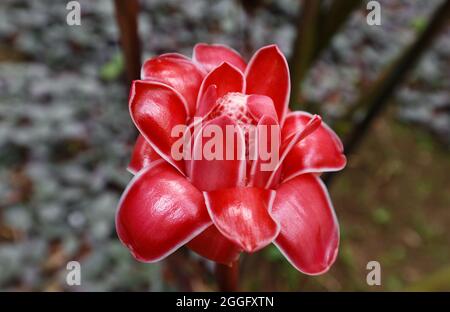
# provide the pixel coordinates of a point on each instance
(142, 156)
(226, 167)
(320, 151)
(212, 245)
(226, 78)
(156, 109)
(159, 212)
(243, 215)
(212, 55)
(309, 236)
(177, 71)
(268, 74)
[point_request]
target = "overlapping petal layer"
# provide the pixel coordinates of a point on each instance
(243, 215)
(156, 109)
(212, 245)
(267, 152)
(159, 212)
(212, 55)
(268, 74)
(226, 78)
(143, 154)
(309, 236)
(178, 72)
(320, 151)
(216, 166)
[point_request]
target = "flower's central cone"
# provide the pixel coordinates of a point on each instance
(233, 105)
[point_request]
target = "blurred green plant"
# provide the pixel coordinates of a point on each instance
(436, 281)
(381, 216)
(113, 68)
(419, 23)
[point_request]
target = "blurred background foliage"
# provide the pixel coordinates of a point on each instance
(66, 137)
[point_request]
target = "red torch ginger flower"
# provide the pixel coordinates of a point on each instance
(223, 206)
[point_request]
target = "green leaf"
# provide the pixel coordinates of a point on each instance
(381, 216)
(112, 69)
(419, 23)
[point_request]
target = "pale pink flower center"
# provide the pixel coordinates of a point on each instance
(233, 105)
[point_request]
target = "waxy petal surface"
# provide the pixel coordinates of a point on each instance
(212, 55)
(178, 72)
(226, 78)
(213, 245)
(159, 212)
(268, 140)
(143, 154)
(261, 105)
(207, 101)
(228, 168)
(243, 215)
(309, 236)
(268, 74)
(320, 151)
(156, 109)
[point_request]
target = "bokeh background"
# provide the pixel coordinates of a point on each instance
(66, 138)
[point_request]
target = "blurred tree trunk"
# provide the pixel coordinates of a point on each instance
(304, 46)
(127, 20)
(331, 22)
(316, 27)
(376, 97)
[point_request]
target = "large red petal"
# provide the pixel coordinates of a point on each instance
(309, 236)
(212, 55)
(214, 246)
(226, 78)
(268, 74)
(178, 72)
(156, 109)
(159, 212)
(243, 216)
(224, 169)
(143, 154)
(320, 151)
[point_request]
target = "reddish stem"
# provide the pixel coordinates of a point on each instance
(228, 276)
(127, 21)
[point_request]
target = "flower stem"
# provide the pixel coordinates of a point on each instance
(127, 20)
(227, 276)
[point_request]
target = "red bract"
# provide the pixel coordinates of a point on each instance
(220, 208)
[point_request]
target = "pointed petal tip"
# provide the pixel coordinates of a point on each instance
(268, 74)
(226, 77)
(308, 214)
(228, 65)
(318, 268)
